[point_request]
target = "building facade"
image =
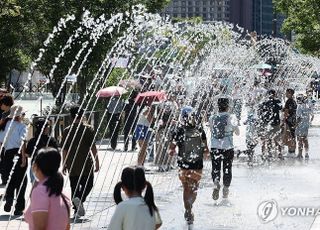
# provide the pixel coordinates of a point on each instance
(252, 15)
(209, 10)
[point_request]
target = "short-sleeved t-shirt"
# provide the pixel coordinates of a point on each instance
(45, 141)
(178, 135)
(58, 216)
(291, 106)
(134, 214)
(77, 142)
(227, 141)
(270, 112)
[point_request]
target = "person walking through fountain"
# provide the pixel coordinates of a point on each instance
(143, 133)
(269, 117)
(290, 122)
(114, 107)
(40, 141)
(190, 138)
(304, 119)
(222, 127)
(6, 102)
(77, 145)
(136, 212)
(49, 208)
(12, 138)
(130, 120)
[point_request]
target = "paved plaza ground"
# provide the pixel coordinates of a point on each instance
(290, 183)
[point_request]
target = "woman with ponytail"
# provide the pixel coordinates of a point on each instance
(136, 212)
(49, 208)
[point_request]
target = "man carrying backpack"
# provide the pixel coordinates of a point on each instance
(190, 139)
(222, 126)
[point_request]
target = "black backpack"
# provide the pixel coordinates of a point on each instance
(192, 150)
(219, 124)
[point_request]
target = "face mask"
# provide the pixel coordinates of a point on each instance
(34, 174)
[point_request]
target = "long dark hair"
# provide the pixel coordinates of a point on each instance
(135, 181)
(3, 123)
(48, 161)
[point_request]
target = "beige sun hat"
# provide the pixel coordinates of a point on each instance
(15, 111)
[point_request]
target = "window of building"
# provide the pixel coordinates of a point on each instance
(204, 9)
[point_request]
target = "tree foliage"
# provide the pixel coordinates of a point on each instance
(303, 19)
(25, 25)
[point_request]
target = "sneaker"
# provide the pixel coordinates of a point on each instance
(215, 193)
(299, 157)
(225, 192)
(7, 207)
(18, 212)
(306, 156)
(79, 207)
(189, 217)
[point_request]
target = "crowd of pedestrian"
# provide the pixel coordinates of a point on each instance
(183, 132)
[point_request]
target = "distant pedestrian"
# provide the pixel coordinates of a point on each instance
(143, 132)
(251, 136)
(190, 138)
(12, 137)
(269, 117)
(114, 107)
(222, 126)
(49, 208)
(136, 212)
(130, 121)
(78, 144)
(304, 119)
(290, 122)
(40, 140)
(6, 102)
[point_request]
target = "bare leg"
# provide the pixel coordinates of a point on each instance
(143, 151)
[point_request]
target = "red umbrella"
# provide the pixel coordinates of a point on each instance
(111, 91)
(150, 96)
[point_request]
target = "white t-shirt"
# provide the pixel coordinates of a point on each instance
(143, 119)
(227, 141)
(133, 214)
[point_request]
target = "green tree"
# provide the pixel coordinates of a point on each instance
(303, 20)
(25, 24)
(13, 52)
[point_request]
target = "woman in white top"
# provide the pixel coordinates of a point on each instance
(135, 213)
(222, 128)
(142, 132)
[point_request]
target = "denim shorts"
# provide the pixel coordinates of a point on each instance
(142, 133)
